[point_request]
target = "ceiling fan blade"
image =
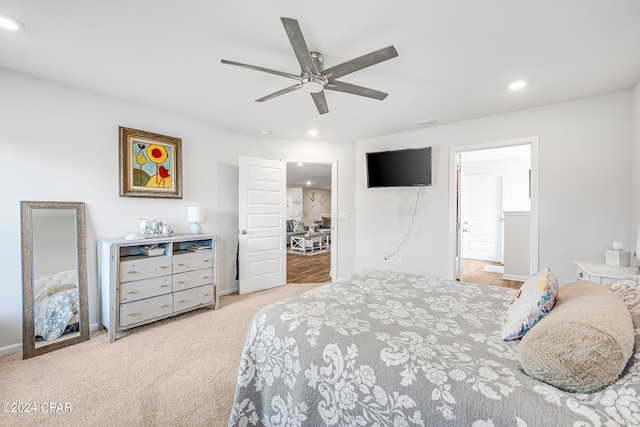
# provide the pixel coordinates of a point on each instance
(359, 63)
(266, 70)
(321, 101)
(278, 93)
(299, 45)
(356, 90)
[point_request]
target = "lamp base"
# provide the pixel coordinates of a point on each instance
(195, 228)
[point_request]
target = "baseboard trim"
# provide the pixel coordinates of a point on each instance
(516, 278)
(13, 348)
(229, 291)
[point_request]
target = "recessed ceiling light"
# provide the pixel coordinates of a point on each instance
(313, 132)
(519, 84)
(308, 182)
(265, 131)
(10, 23)
(300, 164)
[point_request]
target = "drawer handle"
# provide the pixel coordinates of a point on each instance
(205, 277)
(133, 314)
(206, 295)
(164, 286)
(132, 272)
(181, 282)
(165, 305)
(165, 266)
(181, 301)
(181, 264)
(205, 260)
(132, 292)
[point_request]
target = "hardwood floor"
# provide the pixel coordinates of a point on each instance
(308, 268)
(473, 272)
(315, 269)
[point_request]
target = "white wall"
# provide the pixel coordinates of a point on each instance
(584, 186)
(61, 144)
(635, 158)
(313, 209)
(515, 173)
(296, 209)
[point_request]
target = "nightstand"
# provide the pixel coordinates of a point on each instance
(601, 274)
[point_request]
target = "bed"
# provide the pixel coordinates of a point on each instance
(393, 349)
(55, 305)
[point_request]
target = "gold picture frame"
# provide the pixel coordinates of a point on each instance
(150, 164)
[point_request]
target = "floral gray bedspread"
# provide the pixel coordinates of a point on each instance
(52, 314)
(393, 349)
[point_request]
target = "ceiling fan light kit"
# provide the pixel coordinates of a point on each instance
(313, 79)
(313, 84)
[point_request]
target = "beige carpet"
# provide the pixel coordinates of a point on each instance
(176, 372)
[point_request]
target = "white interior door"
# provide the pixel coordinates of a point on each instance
(262, 209)
(481, 217)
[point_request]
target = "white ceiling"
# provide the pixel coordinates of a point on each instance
(455, 57)
(312, 175)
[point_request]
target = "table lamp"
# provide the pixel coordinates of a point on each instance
(195, 215)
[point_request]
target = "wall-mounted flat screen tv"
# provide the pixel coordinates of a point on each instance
(399, 168)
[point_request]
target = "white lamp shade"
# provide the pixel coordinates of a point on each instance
(195, 214)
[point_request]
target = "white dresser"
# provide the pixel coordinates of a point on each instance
(599, 273)
(138, 289)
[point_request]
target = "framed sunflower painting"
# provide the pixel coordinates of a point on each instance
(150, 164)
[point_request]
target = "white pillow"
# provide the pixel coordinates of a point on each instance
(533, 301)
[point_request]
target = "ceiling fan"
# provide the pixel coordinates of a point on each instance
(313, 78)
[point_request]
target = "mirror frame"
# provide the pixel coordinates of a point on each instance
(29, 348)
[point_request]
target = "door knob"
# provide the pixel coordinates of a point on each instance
(244, 231)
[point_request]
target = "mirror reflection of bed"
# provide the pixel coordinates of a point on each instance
(56, 305)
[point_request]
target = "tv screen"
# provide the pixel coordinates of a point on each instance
(399, 168)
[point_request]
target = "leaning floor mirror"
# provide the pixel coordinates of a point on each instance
(54, 276)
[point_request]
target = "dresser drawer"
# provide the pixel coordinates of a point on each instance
(192, 279)
(192, 261)
(146, 288)
(146, 309)
(144, 268)
(193, 297)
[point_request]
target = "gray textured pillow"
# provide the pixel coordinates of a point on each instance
(584, 343)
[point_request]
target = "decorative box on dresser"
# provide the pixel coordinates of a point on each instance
(138, 289)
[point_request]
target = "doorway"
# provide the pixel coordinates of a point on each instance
(262, 254)
(489, 180)
(311, 237)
